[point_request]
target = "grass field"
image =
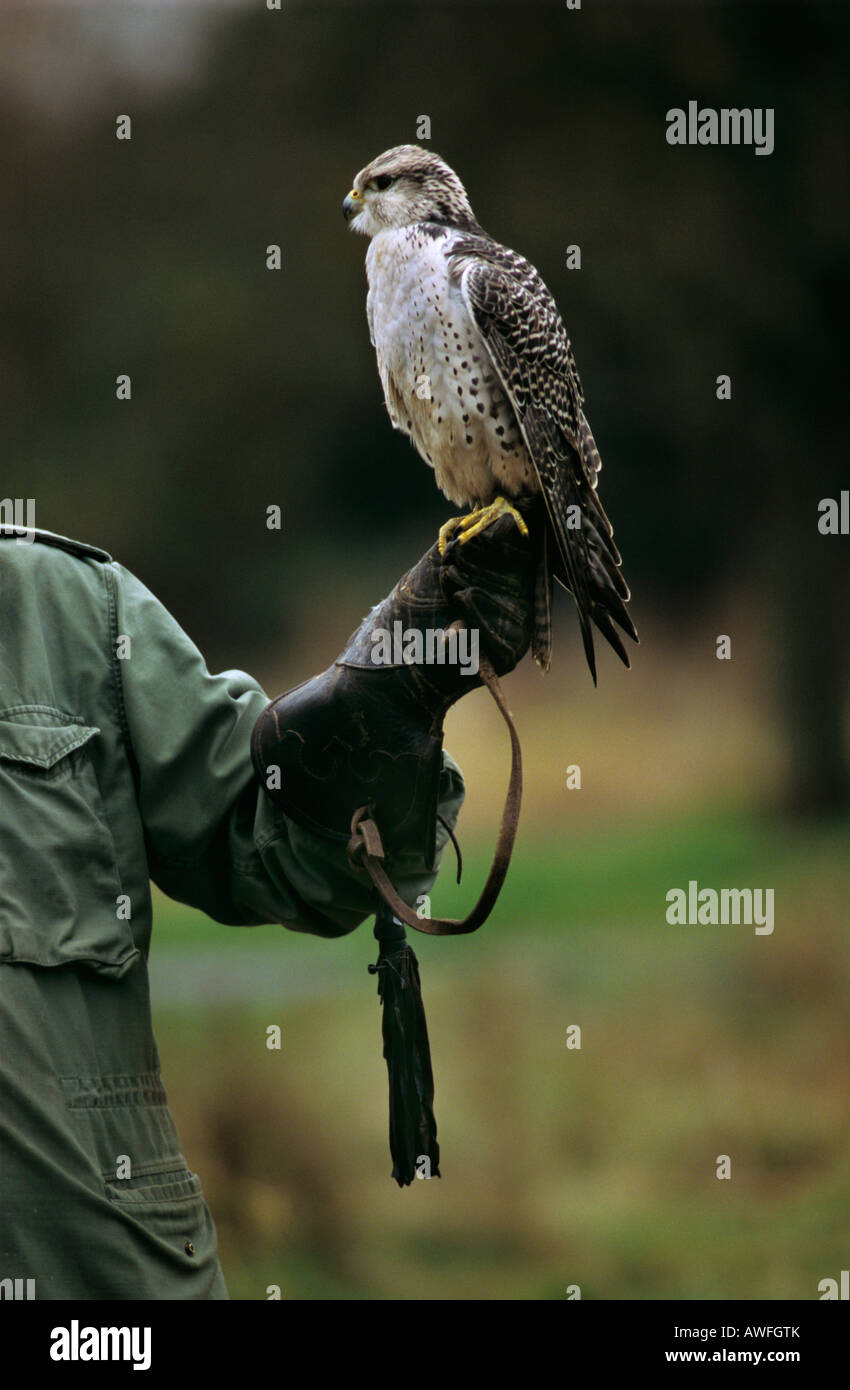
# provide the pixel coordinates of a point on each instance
(560, 1166)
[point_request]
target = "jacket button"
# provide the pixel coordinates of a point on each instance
(189, 1248)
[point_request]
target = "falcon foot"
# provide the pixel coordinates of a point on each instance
(476, 522)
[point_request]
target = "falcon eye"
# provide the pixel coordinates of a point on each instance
(381, 182)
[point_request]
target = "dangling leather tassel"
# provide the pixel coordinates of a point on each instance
(413, 1129)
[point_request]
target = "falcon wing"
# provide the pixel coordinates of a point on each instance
(530, 351)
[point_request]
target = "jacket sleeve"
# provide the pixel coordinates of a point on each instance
(214, 839)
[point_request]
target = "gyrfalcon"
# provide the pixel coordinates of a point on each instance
(477, 369)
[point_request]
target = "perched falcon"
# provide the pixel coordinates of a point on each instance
(478, 370)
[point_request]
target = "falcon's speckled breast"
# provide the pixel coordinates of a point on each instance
(425, 338)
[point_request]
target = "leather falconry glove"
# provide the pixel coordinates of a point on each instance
(368, 733)
(357, 755)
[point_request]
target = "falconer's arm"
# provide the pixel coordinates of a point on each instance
(214, 838)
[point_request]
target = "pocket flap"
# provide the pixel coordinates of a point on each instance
(59, 881)
(39, 746)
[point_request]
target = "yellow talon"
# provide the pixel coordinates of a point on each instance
(446, 530)
(477, 521)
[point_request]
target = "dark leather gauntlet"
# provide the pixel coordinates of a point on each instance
(369, 730)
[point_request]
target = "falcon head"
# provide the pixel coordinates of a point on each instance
(405, 185)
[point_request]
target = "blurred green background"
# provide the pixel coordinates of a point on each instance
(251, 388)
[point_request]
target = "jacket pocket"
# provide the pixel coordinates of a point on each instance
(169, 1204)
(59, 883)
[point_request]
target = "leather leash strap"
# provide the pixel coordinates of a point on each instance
(366, 850)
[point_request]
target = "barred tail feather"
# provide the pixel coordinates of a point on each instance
(589, 452)
(587, 563)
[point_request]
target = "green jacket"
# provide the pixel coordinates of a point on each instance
(123, 761)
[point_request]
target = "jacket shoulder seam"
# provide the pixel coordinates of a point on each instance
(81, 549)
